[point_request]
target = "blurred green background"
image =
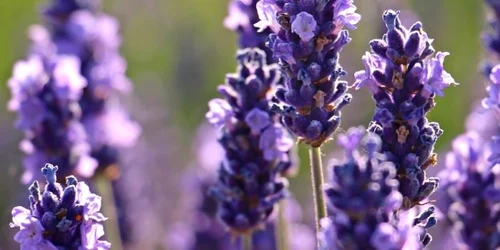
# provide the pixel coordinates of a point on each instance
(184, 47)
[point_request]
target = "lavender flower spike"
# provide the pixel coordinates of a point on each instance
(256, 145)
(189, 234)
(404, 80)
(60, 218)
(472, 186)
(79, 28)
(362, 196)
(307, 40)
(45, 93)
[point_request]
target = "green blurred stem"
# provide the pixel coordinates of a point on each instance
(282, 227)
(317, 184)
(247, 241)
(111, 227)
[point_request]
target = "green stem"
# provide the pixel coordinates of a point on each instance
(247, 241)
(111, 227)
(282, 227)
(317, 184)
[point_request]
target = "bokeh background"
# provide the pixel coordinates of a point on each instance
(178, 52)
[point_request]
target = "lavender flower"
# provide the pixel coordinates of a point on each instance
(199, 227)
(308, 37)
(78, 28)
(60, 218)
(45, 93)
(471, 184)
(492, 39)
(493, 100)
(242, 15)
(362, 197)
(257, 150)
(404, 82)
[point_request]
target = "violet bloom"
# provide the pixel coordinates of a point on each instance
(308, 36)
(362, 197)
(404, 80)
(493, 100)
(471, 183)
(257, 149)
(241, 17)
(45, 93)
(60, 218)
(78, 28)
(491, 39)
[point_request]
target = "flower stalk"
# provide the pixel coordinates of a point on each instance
(282, 227)
(317, 185)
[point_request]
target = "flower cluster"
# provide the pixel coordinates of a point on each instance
(199, 227)
(45, 93)
(78, 28)
(492, 43)
(308, 35)
(60, 218)
(404, 80)
(362, 196)
(470, 181)
(256, 146)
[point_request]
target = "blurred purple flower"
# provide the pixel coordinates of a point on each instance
(470, 185)
(345, 14)
(200, 228)
(267, 10)
(493, 99)
(79, 28)
(362, 197)
(491, 39)
(45, 93)
(220, 112)
(60, 218)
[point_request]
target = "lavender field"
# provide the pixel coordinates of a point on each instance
(250, 124)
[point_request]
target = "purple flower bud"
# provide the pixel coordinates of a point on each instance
(304, 25)
(267, 14)
(220, 112)
(345, 15)
(257, 120)
(242, 16)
